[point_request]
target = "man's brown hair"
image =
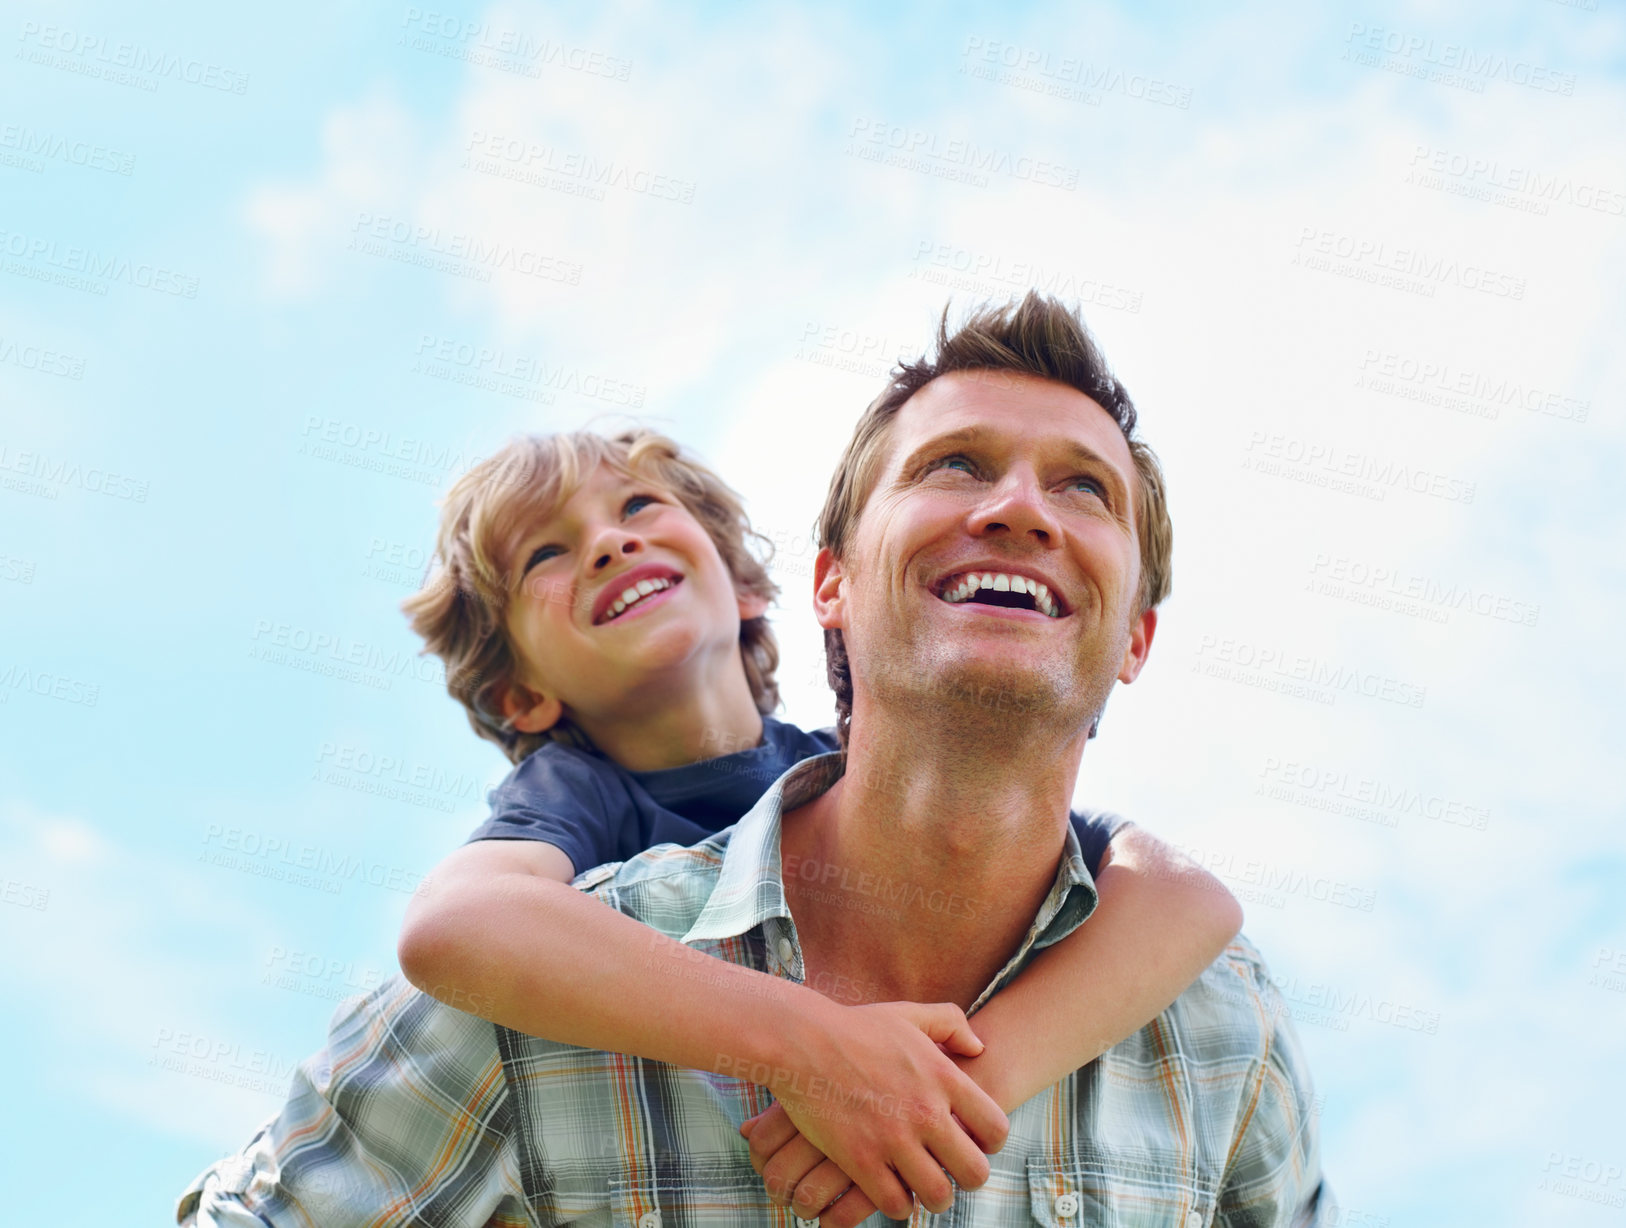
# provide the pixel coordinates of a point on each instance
(461, 611)
(1039, 337)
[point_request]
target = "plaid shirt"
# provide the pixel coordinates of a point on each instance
(420, 1114)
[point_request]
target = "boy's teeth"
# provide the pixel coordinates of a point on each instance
(636, 592)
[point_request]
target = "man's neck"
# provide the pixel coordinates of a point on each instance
(672, 722)
(920, 871)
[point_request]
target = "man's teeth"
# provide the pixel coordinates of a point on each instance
(1002, 582)
(636, 592)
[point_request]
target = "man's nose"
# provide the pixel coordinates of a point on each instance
(1016, 506)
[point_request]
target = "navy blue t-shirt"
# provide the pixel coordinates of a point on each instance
(596, 811)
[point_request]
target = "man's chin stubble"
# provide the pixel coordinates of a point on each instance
(971, 699)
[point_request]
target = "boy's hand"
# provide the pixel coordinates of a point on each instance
(877, 1094)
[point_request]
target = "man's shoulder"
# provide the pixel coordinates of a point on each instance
(1224, 1059)
(662, 885)
(1233, 1012)
(401, 1074)
(1252, 1081)
(396, 1015)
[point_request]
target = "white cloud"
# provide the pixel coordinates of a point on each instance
(369, 156)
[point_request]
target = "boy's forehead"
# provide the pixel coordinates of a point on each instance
(591, 484)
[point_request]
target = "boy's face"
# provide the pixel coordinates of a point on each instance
(621, 594)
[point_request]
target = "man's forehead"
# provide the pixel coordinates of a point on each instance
(1007, 407)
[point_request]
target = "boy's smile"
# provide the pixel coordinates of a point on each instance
(622, 605)
(643, 588)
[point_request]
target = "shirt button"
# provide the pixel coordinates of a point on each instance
(786, 951)
(807, 1223)
(1194, 1219)
(1066, 1205)
(650, 1219)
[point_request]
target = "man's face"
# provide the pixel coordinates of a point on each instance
(996, 561)
(621, 592)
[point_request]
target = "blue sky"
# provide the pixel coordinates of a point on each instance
(268, 282)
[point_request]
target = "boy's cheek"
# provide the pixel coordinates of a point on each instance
(553, 594)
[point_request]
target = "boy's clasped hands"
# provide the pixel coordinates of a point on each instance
(875, 1115)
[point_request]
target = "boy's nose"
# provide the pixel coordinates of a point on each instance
(627, 545)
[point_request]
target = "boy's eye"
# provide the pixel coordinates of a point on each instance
(637, 504)
(542, 554)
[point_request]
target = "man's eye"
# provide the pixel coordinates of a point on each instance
(1092, 485)
(953, 462)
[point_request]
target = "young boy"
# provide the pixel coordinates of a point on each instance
(601, 618)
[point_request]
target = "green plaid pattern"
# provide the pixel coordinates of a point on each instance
(419, 1114)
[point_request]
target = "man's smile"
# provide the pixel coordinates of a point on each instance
(1000, 587)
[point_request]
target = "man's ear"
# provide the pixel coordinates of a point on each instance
(529, 712)
(828, 595)
(1140, 643)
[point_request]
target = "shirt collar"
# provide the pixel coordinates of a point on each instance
(750, 888)
(750, 885)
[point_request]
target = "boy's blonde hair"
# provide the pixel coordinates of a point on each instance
(461, 611)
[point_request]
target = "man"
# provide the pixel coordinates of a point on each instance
(994, 548)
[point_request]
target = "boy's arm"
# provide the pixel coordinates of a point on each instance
(1162, 919)
(501, 934)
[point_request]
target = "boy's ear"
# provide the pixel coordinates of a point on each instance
(827, 592)
(752, 605)
(529, 712)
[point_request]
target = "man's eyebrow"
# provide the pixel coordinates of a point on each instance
(969, 436)
(1083, 454)
(966, 436)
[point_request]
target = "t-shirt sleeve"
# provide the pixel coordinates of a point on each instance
(566, 799)
(1095, 829)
